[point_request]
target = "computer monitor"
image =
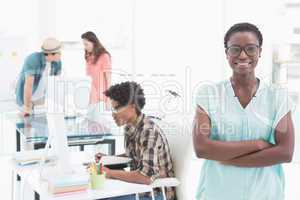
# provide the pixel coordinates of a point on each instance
(58, 140)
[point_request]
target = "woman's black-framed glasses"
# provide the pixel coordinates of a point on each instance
(251, 50)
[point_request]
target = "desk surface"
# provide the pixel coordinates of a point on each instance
(112, 188)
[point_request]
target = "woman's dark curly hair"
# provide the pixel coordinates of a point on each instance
(243, 27)
(127, 93)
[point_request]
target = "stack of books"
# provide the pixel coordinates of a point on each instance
(67, 183)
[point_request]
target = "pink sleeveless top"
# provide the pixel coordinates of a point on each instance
(100, 74)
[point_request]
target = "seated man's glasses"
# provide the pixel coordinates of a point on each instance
(117, 109)
(251, 50)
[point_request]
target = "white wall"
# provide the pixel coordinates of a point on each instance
(20, 18)
(177, 45)
(111, 20)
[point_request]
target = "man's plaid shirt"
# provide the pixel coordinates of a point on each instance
(148, 147)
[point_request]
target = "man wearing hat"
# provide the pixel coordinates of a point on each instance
(32, 83)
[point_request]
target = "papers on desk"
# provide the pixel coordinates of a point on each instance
(115, 160)
(32, 157)
(112, 162)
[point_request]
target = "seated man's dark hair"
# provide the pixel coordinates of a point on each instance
(126, 93)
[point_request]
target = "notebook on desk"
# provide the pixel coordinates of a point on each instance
(32, 157)
(113, 162)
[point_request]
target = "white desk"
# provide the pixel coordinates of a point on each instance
(112, 188)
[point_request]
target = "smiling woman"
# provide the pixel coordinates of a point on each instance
(243, 49)
(243, 139)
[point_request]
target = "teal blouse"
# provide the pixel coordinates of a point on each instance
(231, 122)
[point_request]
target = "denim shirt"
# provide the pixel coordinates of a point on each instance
(34, 65)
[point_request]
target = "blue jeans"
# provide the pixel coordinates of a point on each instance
(132, 197)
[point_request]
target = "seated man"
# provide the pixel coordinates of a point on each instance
(145, 142)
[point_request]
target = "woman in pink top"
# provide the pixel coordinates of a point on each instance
(98, 67)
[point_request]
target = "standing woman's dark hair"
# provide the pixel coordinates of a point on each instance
(243, 27)
(98, 48)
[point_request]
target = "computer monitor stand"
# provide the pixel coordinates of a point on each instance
(57, 139)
